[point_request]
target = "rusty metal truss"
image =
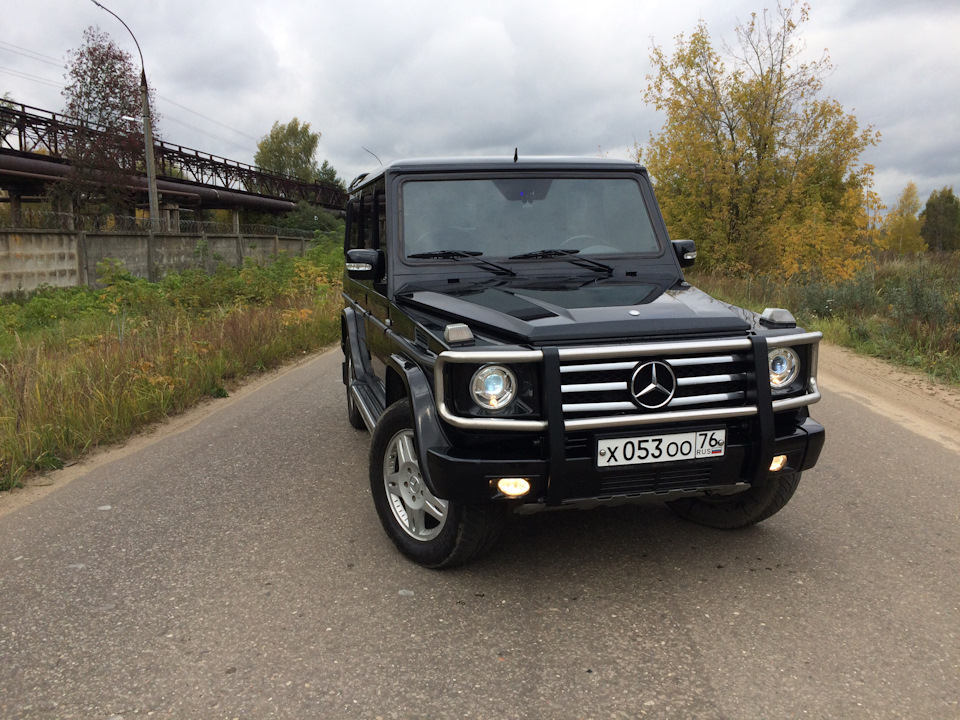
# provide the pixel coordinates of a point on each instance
(31, 130)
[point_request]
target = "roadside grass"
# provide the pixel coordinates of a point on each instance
(906, 310)
(81, 368)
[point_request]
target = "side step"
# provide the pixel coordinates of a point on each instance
(368, 403)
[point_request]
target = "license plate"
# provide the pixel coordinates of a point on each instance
(695, 445)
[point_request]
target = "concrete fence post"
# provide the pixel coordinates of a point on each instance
(151, 272)
(15, 209)
(83, 272)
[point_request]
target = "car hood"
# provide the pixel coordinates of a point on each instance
(547, 312)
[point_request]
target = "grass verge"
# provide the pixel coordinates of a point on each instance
(81, 368)
(906, 311)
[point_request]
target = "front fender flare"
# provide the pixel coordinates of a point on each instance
(428, 432)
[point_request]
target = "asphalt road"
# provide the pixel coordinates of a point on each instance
(235, 568)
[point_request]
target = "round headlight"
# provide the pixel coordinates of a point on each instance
(784, 366)
(493, 387)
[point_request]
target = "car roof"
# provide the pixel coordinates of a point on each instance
(467, 164)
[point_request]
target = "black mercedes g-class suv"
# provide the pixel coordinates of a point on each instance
(518, 335)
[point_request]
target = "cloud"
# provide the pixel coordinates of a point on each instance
(427, 77)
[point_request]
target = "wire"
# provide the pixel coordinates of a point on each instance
(209, 119)
(239, 146)
(17, 50)
(34, 78)
(51, 83)
(209, 134)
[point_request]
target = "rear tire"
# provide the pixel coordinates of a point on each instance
(431, 531)
(731, 512)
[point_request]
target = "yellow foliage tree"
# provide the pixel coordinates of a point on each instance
(901, 231)
(765, 176)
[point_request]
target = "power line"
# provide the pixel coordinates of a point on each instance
(34, 78)
(17, 50)
(209, 119)
(209, 134)
(51, 83)
(25, 52)
(45, 81)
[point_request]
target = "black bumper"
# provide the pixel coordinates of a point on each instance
(469, 475)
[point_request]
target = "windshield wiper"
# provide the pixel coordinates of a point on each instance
(459, 255)
(446, 254)
(567, 255)
(537, 254)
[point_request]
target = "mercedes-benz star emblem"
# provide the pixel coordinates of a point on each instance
(653, 385)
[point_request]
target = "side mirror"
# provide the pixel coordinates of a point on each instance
(686, 251)
(364, 263)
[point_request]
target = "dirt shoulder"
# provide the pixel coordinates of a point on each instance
(908, 398)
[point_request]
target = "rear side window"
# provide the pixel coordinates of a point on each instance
(366, 219)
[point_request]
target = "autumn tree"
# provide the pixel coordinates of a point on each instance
(901, 231)
(751, 162)
(102, 90)
(940, 220)
(290, 149)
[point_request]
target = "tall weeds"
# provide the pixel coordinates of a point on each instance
(904, 310)
(84, 368)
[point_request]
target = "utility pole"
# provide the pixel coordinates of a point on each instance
(147, 129)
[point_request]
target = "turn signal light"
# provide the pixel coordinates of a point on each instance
(779, 463)
(513, 487)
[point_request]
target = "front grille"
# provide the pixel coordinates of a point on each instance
(656, 480)
(713, 379)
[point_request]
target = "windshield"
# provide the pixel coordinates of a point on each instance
(506, 218)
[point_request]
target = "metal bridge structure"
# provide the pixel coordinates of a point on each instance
(35, 149)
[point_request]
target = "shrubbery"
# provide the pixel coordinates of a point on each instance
(905, 310)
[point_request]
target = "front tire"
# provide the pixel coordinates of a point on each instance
(731, 512)
(431, 531)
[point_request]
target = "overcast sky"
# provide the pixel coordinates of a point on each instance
(432, 77)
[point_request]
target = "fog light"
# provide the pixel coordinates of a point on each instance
(513, 487)
(779, 463)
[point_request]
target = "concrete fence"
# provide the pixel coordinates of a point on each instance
(31, 258)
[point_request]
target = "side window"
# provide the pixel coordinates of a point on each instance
(368, 223)
(374, 225)
(367, 218)
(380, 201)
